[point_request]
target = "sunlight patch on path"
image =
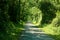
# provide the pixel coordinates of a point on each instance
(33, 32)
(29, 24)
(35, 28)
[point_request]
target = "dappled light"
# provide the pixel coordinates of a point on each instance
(29, 19)
(34, 33)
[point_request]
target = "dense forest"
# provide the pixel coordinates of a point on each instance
(42, 13)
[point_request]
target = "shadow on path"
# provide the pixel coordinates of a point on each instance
(33, 33)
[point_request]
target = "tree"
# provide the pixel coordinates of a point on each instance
(48, 12)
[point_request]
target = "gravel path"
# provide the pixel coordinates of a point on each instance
(33, 33)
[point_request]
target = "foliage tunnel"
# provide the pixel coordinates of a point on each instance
(48, 12)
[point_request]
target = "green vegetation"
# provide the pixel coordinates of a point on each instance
(42, 13)
(53, 29)
(10, 25)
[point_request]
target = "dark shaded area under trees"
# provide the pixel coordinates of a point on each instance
(48, 12)
(9, 18)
